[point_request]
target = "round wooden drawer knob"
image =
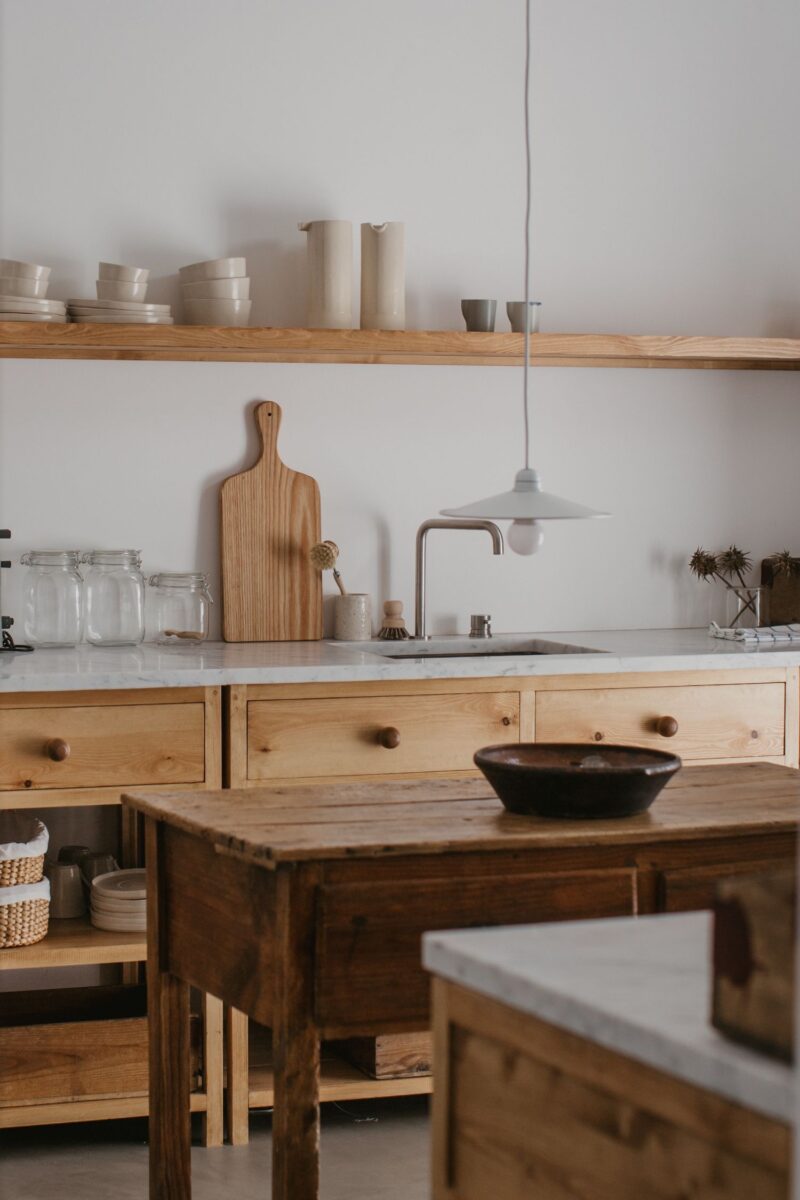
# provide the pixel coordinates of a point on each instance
(58, 750)
(667, 726)
(389, 738)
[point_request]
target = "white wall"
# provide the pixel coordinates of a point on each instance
(666, 190)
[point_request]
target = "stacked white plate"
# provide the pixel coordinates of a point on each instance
(119, 312)
(23, 291)
(216, 292)
(120, 299)
(119, 901)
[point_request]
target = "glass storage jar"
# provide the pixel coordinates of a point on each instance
(113, 597)
(52, 598)
(180, 604)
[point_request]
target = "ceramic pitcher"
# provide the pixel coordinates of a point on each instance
(330, 274)
(383, 276)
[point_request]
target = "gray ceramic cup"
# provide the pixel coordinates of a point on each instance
(72, 854)
(479, 315)
(66, 892)
(97, 863)
(516, 315)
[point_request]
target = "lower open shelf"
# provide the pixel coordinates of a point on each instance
(76, 943)
(89, 1108)
(340, 1080)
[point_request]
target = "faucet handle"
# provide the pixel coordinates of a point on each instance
(480, 625)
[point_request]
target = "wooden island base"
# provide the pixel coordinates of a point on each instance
(529, 1110)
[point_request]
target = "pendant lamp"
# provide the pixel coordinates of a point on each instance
(526, 505)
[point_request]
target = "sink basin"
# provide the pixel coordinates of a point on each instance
(500, 646)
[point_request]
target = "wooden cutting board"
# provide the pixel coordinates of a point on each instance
(269, 520)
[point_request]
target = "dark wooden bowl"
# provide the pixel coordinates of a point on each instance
(574, 780)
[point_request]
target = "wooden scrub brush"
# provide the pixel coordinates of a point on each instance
(323, 556)
(393, 628)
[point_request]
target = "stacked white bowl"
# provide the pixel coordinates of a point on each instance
(216, 292)
(119, 901)
(120, 299)
(23, 291)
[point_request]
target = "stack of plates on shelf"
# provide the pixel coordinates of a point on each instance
(119, 312)
(120, 299)
(23, 288)
(119, 901)
(216, 292)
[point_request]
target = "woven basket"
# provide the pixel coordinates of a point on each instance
(21, 832)
(23, 922)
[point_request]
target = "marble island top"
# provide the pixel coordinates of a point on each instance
(637, 985)
(219, 663)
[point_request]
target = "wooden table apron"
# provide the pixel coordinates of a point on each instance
(319, 946)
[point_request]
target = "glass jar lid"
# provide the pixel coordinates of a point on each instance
(112, 558)
(51, 558)
(193, 580)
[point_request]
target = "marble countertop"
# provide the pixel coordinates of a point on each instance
(218, 663)
(638, 985)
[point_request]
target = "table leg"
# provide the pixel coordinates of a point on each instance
(212, 1070)
(237, 1091)
(170, 1131)
(295, 1039)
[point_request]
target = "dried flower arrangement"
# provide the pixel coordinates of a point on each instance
(785, 563)
(729, 567)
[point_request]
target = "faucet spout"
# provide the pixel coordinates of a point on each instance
(422, 566)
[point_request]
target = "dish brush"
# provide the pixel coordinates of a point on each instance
(393, 628)
(323, 556)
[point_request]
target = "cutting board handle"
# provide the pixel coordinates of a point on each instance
(268, 419)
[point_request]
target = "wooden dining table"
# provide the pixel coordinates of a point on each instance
(304, 908)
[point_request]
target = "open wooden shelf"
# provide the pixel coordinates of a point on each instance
(198, 343)
(339, 1080)
(76, 943)
(87, 1108)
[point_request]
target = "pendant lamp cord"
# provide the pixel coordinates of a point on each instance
(526, 364)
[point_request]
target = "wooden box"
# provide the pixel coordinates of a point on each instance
(75, 1043)
(389, 1056)
(754, 961)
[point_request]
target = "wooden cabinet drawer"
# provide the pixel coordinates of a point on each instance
(715, 721)
(109, 745)
(686, 889)
(369, 948)
(313, 738)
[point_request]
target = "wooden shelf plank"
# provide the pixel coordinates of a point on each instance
(64, 1112)
(339, 1080)
(199, 343)
(76, 943)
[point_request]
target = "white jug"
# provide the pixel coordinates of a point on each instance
(383, 276)
(330, 273)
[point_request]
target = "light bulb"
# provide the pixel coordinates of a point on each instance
(525, 536)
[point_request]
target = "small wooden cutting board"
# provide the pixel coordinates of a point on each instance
(269, 520)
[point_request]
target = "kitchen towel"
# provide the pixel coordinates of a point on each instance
(767, 633)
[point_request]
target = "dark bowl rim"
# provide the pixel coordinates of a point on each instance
(665, 760)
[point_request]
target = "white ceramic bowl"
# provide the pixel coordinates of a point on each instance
(121, 289)
(10, 266)
(218, 312)
(23, 285)
(215, 268)
(126, 274)
(218, 289)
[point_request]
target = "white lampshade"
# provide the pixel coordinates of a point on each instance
(525, 502)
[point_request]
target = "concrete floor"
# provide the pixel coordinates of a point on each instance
(371, 1150)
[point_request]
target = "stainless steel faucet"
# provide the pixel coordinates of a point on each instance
(422, 534)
